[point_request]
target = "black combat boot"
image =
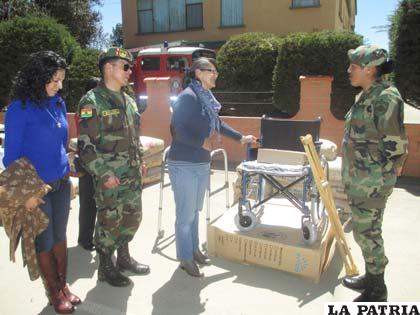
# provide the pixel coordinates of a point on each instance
(357, 283)
(109, 273)
(375, 291)
(126, 262)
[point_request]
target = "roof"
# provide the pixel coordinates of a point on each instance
(171, 51)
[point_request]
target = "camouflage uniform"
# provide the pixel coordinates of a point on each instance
(374, 146)
(109, 145)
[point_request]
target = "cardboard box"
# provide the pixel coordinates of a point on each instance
(276, 242)
(281, 157)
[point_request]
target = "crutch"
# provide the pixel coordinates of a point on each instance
(326, 195)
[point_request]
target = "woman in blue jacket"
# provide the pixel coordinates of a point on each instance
(194, 120)
(36, 128)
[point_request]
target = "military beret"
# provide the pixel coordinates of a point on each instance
(115, 52)
(368, 55)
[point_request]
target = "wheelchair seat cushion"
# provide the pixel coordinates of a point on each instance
(273, 169)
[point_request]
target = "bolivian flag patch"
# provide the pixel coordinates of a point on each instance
(86, 113)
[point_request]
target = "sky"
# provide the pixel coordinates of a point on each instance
(370, 15)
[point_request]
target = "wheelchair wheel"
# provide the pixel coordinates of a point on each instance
(310, 234)
(246, 222)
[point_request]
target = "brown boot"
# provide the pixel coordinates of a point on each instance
(56, 297)
(60, 254)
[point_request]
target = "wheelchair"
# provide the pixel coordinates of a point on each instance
(282, 137)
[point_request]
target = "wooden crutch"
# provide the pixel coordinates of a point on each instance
(327, 197)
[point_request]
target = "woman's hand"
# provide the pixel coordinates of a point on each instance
(207, 144)
(33, 202)
(248, 139)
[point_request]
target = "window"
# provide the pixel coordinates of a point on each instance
(305, 3)
(176, 63)
(145, 16)
(232, 13)
(194, 12)
(150, 64)
(156, 16)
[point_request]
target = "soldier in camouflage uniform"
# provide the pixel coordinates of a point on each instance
(110, 150)
(374, 150)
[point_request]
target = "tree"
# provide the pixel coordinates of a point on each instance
(21, 36)
(405, 44)
(78, 15)
(12, 8)
(116, 37)
(83, 67)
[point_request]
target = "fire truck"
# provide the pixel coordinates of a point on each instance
(165, 62)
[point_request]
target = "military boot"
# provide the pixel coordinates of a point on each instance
(109, 273)
(375, 291)
(126, 262)
(357, 283)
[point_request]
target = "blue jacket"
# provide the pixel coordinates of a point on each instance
(33, 133)
(190, 126)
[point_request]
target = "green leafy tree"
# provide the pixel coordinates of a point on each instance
(318, 53)
(13, 8)
(116, 37)
(21, 36)
(405, 44)
(81, 19)
(83, 67)
(246, 61)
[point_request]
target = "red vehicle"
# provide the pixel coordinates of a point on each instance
(165, 62)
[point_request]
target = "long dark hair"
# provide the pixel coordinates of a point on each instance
(38, 71)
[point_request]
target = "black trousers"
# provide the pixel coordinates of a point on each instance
(87, 210)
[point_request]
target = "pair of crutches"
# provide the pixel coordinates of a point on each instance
(327, 197)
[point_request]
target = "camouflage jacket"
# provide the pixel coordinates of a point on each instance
(108, 140)
(375, 143)
(18, 183)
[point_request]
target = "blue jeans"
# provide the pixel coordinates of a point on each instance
(56, 207)
(189, 183)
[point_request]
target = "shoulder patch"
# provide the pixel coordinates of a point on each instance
(86, 113)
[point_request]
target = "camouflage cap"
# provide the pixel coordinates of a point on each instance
(368, 55)
(115, 52)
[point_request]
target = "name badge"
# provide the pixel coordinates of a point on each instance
(110, 112)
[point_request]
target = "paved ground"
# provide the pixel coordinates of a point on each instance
(228, 287)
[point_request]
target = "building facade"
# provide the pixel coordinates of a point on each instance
(212, 22)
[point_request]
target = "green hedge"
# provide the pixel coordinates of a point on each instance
(319, 53)
(246, 62)
(22, 36)
(83, 67)
(405, 45)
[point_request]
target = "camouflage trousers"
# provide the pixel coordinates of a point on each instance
(367, 231)
(119, 212)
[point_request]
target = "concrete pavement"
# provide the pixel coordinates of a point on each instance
(228, 287)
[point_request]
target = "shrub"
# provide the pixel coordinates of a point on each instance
(246, 62)
(83, 67)
(405, 44)
(319, 53)
(22, 36)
